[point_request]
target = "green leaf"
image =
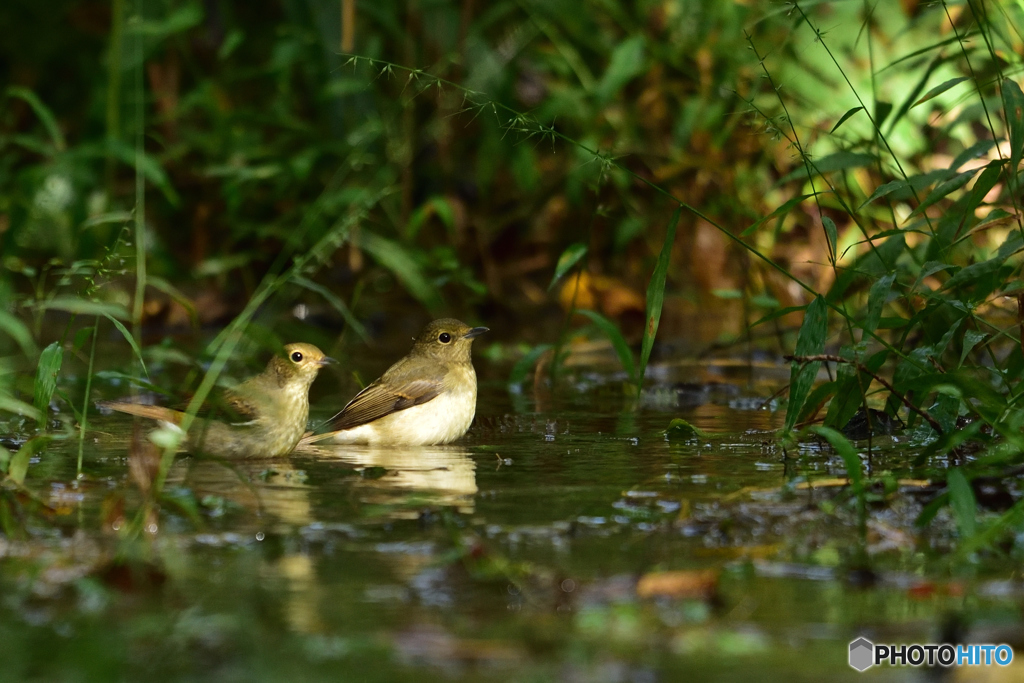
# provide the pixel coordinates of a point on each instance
(876, 300)
(842, 119)
(337, 304)
(435, 206)
(17, 331)
(832, 234)
(811, 341)
(656, 294)
(46, 377)
(609, 330)
(883, 190)
(971, 339)
(13, 405)
(961, 500)
(846, 451)
(569, 258)
(1013, 106)
(939, 89)
(851, 384)
(525, 364)
(778, 314)
(131, 341)
(882, 111)
(681, 430)
(73, 304)
(627, 62)
(838, 161)
(18, 466)
(818, 396)
(46, 116)
(395, 258)
(780, 212)
(944, 188)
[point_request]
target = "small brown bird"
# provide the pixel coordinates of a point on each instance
(427, 398)
(270, 409)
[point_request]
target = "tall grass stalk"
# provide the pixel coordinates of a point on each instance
(83, 424)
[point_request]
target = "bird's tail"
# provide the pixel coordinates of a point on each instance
(142, 410)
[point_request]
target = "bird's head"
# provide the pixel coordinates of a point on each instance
(300, 363)
(447, 339)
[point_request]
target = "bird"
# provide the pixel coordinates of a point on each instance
(427, 398)
(268, 412)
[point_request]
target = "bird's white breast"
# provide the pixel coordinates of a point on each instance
(438, 421)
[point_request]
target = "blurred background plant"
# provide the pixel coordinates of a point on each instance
(516, 161)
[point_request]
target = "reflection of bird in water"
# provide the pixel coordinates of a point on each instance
(276, 488)
(439, 475)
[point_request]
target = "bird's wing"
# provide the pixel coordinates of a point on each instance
(400, 388)
(239, 407)
(143, 410)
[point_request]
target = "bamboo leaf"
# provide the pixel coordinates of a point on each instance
(569, 258)
(656, 295)
(843, 119)
(783, 210)
(832, 234)
(939, 89)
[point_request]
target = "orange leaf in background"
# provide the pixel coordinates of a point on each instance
(686, 584)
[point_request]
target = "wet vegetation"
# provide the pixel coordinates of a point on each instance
(752, 388)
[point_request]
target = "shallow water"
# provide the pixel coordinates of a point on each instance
(519, 554)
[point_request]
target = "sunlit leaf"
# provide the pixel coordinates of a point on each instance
(656, 294)
(46, 377)
(811, 341)
(939, 89)
(612, 333)
(843, 119)
(886, 189)
(569, 258)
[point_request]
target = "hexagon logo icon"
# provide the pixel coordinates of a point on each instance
(862, 654)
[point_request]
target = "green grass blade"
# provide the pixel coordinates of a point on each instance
(17, 468)
(609, 330)
(656, 295)
(130, 339)
(962, 502)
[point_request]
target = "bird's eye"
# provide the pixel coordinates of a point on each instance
(444, 337)
(296, 356)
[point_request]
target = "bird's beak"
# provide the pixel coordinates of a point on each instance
(475, 332)
(327, 360)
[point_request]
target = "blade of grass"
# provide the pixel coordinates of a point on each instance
(612, 333)
(656, 296)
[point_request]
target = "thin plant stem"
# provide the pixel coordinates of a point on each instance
(84, 424)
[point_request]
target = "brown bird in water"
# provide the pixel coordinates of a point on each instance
(269, 411)
(427, 398)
